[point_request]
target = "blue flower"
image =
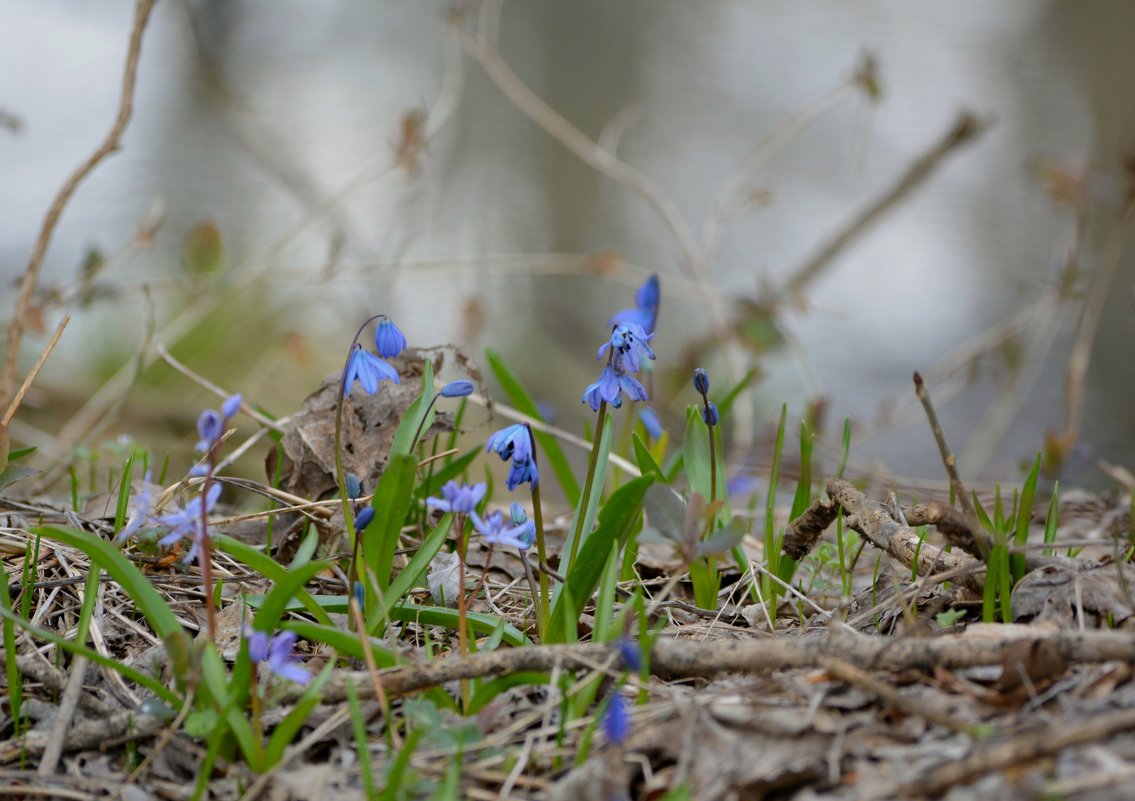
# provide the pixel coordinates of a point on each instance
(368, 370)
(186, 523)
(650, 421)
(616, 720)
(364, 518)
(627, 342)
(511, 443)
(709, 414)
(610, 385)
(457, 389)
(388, 339)
(645, 312)
(277, 651)
(497, 530)
(630, 654)
(460, 499)
(211, 424)
(231, 406)
(522, 473)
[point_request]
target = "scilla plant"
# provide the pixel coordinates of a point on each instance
(432, 509)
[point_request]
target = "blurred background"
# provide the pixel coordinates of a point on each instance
(801, 176)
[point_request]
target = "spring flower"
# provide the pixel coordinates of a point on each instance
(186, 523)
(354, 486)
(616, 721)
(610, 385)
(388, 339)
(211, 424)
(499, 530)
(457, 389)
(515, 442)
(368, 370)
(645, 312)
(277, 651)
(630, 654)
(627, 343)
(460, 499)
(709, 414)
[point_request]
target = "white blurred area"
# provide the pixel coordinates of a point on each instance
(277, 118)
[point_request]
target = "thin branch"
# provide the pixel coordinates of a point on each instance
(30, 378)
(110, 144)
(965, 129)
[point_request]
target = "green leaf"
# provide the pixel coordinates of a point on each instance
(418, 417)
(15, 472)
(646, 461)
(621, 517)
(695, 452)
(346, 643)
(408, 578)
(260, 562)
(524, 403)
(287, 729)
(277, 602)
(19, 453)
(490, 690)
(217, 681)
(582, 528)
(391, 504)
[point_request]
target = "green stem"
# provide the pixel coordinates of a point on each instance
(593, 462)
(543, 609)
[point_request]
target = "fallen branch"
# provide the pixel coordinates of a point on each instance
(684, 659)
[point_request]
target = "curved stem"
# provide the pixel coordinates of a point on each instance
(541, 603)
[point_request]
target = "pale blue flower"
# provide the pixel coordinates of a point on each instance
(645, 312)
(610, 385)
(497, 530)
(277, 651)
(616, 720)
(627, 343)
(457, 389)
(368, 370)
(388, 339)
(461, 499)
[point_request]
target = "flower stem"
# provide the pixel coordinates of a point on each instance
(542, 602)
(204, 551)
(593, 462)
(712, 462)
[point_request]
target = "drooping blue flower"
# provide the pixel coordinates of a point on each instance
(277, 651)
(511, 442)
(709, 413)
(616, 720)
(627, 343)
(457, 389)
(610, 385)
(368, 370)
(645, 311)
(460, 499)
(650, 421)
(522, 473)
(499, 530)
(388, 339)
(211, 424)
(231, 406)
(354, 486)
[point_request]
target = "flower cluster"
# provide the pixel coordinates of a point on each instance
(623, 351)
(515, 442)
(366, 368)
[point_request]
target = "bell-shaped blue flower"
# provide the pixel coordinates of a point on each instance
(499, 530)
(388, 339)
(511, 442)
(616, 720)
(457, 389)
(460, 499)
(368, 370)
(627, 343)
(709, 414)
(277, 651)
(610, 386)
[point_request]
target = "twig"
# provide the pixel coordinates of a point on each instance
(949, 461)
(1016, 751)
(965, 128)
(109, 145)
(15, 404)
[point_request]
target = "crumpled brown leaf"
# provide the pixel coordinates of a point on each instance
(369, 423)
(1057, 593)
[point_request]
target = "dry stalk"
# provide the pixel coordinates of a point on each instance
(109, 145)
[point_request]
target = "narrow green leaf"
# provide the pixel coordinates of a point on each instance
(621, 517)
(523, 402)
(419, 416)
(695, 452)
(276, 602)
(408, 578)
(346, 643)
(646, 461)
(597, 482)
(268, 567)
(391, 504)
